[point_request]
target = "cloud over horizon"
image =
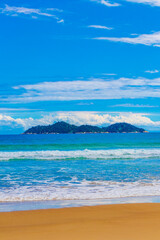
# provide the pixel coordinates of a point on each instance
(79, 118)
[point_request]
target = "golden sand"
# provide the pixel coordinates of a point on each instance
(109, 222)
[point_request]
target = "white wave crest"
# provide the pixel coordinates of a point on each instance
(83, 154)
(86, 190)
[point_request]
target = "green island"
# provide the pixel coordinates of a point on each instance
(63, 127)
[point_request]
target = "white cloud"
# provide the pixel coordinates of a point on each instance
(152, 71)
(128, 105)
(85, 103)
(109, 74)
(149, 2)
(79, 118)
(9, 121)
(33, 12)
(152, 39)
(54, 9)
(96, 118)
(60, 21)
(154, 3)
(106, 3)
(17, 109)
(100, 27)
(87, 90)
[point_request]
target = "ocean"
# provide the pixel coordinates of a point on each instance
(61, 170)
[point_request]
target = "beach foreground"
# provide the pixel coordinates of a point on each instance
(113, 222)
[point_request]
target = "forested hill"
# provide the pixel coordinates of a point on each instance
(63, 127)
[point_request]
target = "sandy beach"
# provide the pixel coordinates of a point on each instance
(113, 222)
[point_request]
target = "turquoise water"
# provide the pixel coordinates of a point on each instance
(78, 167)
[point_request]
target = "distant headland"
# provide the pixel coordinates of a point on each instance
(63, 127)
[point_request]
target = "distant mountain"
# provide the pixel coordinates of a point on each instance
(63, 127)
(123, 127)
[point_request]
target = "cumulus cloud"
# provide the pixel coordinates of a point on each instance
(87, 90)
(152, 39)
(152, 71)
(106, 3)
(100, 27)
(33, 12)
(149, 2)
(9, 121)
(96, 118)
(79, 118)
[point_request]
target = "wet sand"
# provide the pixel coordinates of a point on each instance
(109, 222)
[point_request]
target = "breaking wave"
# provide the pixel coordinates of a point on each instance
(86, 190)
(82, 154)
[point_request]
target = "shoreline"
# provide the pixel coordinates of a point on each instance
(60, 204)
(114, 222)
(82, 133)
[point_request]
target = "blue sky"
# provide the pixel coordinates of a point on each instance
(82, 61)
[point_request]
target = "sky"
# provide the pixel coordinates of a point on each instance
(81, 61)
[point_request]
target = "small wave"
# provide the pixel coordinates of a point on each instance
(82, 154)
(86, 190)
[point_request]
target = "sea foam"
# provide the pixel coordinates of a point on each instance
(83, 154)
(86, 190)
